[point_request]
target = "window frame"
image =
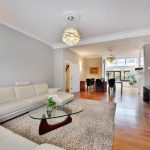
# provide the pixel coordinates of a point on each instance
(125, 63)
(107, 73)
(124, 74)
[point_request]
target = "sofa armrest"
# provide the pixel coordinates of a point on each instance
(53, 90)
(48, 147)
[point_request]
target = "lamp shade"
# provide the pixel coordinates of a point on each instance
(71, 36)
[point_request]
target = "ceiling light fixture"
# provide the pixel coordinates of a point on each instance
(111, 57)
(71, 36)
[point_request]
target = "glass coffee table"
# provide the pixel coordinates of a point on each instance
(43, 114)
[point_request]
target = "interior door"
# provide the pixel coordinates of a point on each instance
(74, 78)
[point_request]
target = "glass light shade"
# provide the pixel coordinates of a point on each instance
(71, 36)
(111, 58)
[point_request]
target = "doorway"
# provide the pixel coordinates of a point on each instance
(67, 78)
(72, 77)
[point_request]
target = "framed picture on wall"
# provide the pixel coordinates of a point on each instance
(93, 70)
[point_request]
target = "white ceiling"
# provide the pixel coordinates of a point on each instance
(129, 47)
(122, 25)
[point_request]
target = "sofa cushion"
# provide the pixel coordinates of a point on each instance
(7, 94)
(53, 90)
(36, 99)
(23, 83)
(41, 88)
(4, 132)
(11, 107)
(24, 91)
(16, 142)
(62, 98)
(48, 147)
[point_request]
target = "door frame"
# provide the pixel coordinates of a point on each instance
(69, 63)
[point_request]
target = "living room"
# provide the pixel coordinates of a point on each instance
(48, 50)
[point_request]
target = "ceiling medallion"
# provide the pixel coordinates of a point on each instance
(111, 57)
(71, 36)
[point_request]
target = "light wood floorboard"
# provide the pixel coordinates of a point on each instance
(132, 119)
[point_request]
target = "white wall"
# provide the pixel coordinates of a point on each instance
(61, 57)
(72, 57)
(59, 68)
(146, 48)
(94, 62)
(23, 58)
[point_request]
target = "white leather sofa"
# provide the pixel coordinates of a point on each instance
(12, 141)
(25, 96)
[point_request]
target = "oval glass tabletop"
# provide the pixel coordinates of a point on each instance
(59, 111)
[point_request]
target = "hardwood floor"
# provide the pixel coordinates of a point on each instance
(132, 118)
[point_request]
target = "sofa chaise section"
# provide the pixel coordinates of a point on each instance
(12, 141)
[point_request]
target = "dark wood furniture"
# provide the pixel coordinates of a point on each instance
(45, 127)
(82, 85)
(146, 93)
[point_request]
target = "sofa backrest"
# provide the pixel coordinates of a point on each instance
(23, 92)
(7, 94)
(41, 88)
(23, 83)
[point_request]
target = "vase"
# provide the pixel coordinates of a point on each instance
(50, 109)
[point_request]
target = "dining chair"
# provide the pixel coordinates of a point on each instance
(89, 84)
(99, 85)
(92, 82)
(112, 85)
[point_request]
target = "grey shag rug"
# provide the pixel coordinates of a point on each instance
(92, 129)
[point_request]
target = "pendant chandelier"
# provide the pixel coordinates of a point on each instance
(111, 57)
(71, 36)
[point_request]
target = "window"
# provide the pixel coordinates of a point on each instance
(111, 64)
(117, 75)
(110, 75)
(122, 62)
(131, 61)
(126, 75)
(114, 74)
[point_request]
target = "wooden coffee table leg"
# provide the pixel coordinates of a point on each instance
(44, 127)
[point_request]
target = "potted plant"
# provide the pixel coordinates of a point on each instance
(132, 79)
(51, 104)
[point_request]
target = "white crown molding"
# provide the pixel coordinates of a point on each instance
(25, 33)
(91, 40)
(108, 37)
(90, 57)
